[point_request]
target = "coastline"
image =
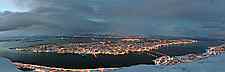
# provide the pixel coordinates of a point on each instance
(189, 58)
(98, 69)
(7, 66)
(104, 48)
(45, 68)
(38, 68)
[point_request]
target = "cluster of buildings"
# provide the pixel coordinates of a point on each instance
(109, 46)
(120, 47)
(168, 60)
(38, 68)
(216, 50)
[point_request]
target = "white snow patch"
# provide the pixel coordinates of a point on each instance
(213, 64)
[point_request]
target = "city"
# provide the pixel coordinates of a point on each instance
(121, 47)
(112, 35)
(211, 51)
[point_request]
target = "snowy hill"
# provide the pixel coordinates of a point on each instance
(213, 64)
(5, 66)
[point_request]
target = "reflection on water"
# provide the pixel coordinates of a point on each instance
(79, 61)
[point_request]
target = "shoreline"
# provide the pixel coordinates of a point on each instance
(39, 68)
(147, 49)
(111, 49)
(189, 58)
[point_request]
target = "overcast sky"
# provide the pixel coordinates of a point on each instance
(196, 18)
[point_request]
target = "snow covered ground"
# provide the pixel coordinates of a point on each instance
(213, 64)
(5, 66)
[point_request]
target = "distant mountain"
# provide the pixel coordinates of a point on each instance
(183, 37)
(95, 35)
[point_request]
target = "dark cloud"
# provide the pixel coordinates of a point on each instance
(166, 17)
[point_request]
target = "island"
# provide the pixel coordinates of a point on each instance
(120, 47)
(109, 46)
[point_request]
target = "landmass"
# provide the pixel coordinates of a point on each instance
(116, 46)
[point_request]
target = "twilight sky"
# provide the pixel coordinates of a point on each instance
(196, 18)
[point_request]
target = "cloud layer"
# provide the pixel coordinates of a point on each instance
(163, 17)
